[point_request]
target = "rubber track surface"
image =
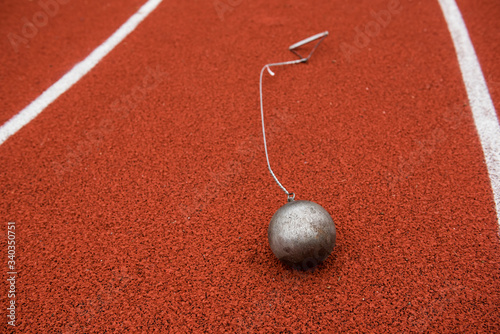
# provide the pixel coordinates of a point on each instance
(141, 197)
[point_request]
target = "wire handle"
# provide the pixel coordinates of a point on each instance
(321, 36)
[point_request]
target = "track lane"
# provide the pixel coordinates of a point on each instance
(484, 29)
(33, 61)
(159, 219)
(481, 104)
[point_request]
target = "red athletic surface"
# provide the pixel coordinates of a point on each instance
(151, 215)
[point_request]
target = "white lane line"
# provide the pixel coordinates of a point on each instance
(75, 74)
(483, 111)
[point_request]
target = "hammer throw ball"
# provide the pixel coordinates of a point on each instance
(302, 234)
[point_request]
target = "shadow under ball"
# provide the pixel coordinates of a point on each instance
(302, 234)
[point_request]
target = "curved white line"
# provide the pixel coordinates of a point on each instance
(75, 74)
(482, 107)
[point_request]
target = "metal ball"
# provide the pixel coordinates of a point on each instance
(302, 234)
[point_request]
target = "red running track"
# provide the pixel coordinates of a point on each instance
(141, 196)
